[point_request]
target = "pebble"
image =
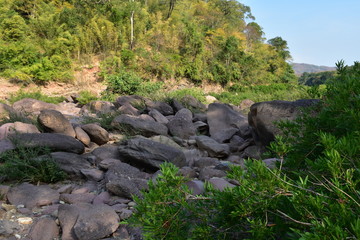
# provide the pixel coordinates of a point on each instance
(25, 220)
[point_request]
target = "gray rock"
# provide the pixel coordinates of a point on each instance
(93, 174)
(96, 133)
(134, 100)
(181, 125)
(188, 172)
(8, 228)
(32, 196)
(98, 107)
(148, 153)
(177, 106)
(71, 163)
(164, 108)
(271, 162)
(137, 125)
(224, 122)
(220, 183)
(87, 222)
(254, 152)
(214, 148)
(33, 106)
(54, 141)
(21, 127)
(121, 169)
(209, 172)
(6, 111)
(77, 197)
(191, 102)
(196, 186)
(44, 229)
(128, 109)
(205, 162)
(158, 116)
(6, 145)
(123, 187)
(105, 152)
(166, 140)
(102, 198)
(55, 122)
(108, 163)
(264, 115)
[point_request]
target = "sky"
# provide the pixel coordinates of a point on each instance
(319, 32)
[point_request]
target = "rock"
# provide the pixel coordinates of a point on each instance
(54, 141)
(105, 152)
(108, 163)
(196, 186)
(177, 106)
(121, 169)
(128, 109)
(214, 148)
(21, 127)
(134, 100)
(220, 183)
(102, 198)
(6, 145)
(254, 152)
(25, 220)
(224, 122)
(263, 115)
(246, 104)
(205, 162)
(33, 106)
(138, 125)
(87, 222)
(125, 214)
(71, 163)
(210, 99)
(158, 116)
(3, 191)
(77, 198)
(32, 196)
(166, 140)
(44, 229)
(98, 107)
(188, 172)
(181, 125)
(209, 172)
(93, 174)
(82, 136)
(151, 154)
(5, 130)
(54, 122)
(271, 162)
(193, 103)
(96, 133)
(164, 108)
(8, 228)
(123, 187)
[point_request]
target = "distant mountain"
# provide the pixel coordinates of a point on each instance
(300, 68)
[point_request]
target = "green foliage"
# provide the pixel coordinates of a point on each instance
(21, 94)
(313, 79)
(86, 97)
(123, 83)
(181, 93)
(29, 164)
(313, 194)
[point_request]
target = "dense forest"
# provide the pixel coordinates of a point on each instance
(215, 41)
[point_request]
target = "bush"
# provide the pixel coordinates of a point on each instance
(21, 94)
(86, 97)
(123, 83)
(312, 194)
(29, 164)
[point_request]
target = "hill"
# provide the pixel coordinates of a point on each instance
(300, 68)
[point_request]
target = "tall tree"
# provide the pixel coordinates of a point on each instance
(281, 47)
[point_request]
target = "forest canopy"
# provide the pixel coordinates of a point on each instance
(216, 41)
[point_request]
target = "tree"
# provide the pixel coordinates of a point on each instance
(281, 47)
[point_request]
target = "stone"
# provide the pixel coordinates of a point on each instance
(102, 198)
(210, 99)
(254, 152)
(96, 133)
(6, 145)
(177, 106)
(54, 141)
(166, 140)
(32, 196)
(220, 183)
(246, 104)
(150, 154)
(82, 136)
(224, 122)
(93, 174)
(3, 191)
(33, 106)
(123, 187)
(137, 125)
(44, 229)
(123, 170)
(108, 163)
(98, 107)
(55, 122)
(133, 100)
(214, 148)
(209, 172)
(181, 125)
(72, 164)
(105, 152)
(6, 111)
(191, 102)
(196, 186)
(205, 162)
(77, 198)
(158, 116)
(188, 172)
(264, 115)
(271, 162)
(128, 109)
(25, 220)
(8, 228)
(85, 221)
(164, 108)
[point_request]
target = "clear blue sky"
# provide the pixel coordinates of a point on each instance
(317, 31)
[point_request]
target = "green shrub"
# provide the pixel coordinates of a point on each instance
(29, 164)
(195, 92)
(21, 94)
(86, 97)
(123, 83)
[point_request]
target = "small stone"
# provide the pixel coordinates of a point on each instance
(131, 204)
(25, 220)
(8, 207)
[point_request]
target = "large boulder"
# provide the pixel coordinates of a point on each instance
(139, 125)
(6, 111)
(33, 106)
(164, 108)
(71, 163)
(181, 124)
(264, 115)
(98, 107)
(96, 133)
(55, 122)
(150, 154)
(224, 122)
(54, 141)
(213, 148)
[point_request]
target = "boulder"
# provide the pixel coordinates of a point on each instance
(33, 106)
(192, 103)
(213, 148)
(264, 115)
(83, 221)
(55, 122)
(32, 196)
(127, 108)
(6, 111)
(138, 125)
(71, 163)
(96, 133)
(181, 124)
(82, 136)
(164, 108)
(209, 172)
(98, 107)
(134, 100)
(224, 122)
(44, 229)
(6, 145)
(54, 141)
(150, 154)
(220, 183)
(158, 116)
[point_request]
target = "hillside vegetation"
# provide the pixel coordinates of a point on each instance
(214, 41)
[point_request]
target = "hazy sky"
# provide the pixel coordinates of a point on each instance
(318, 32)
